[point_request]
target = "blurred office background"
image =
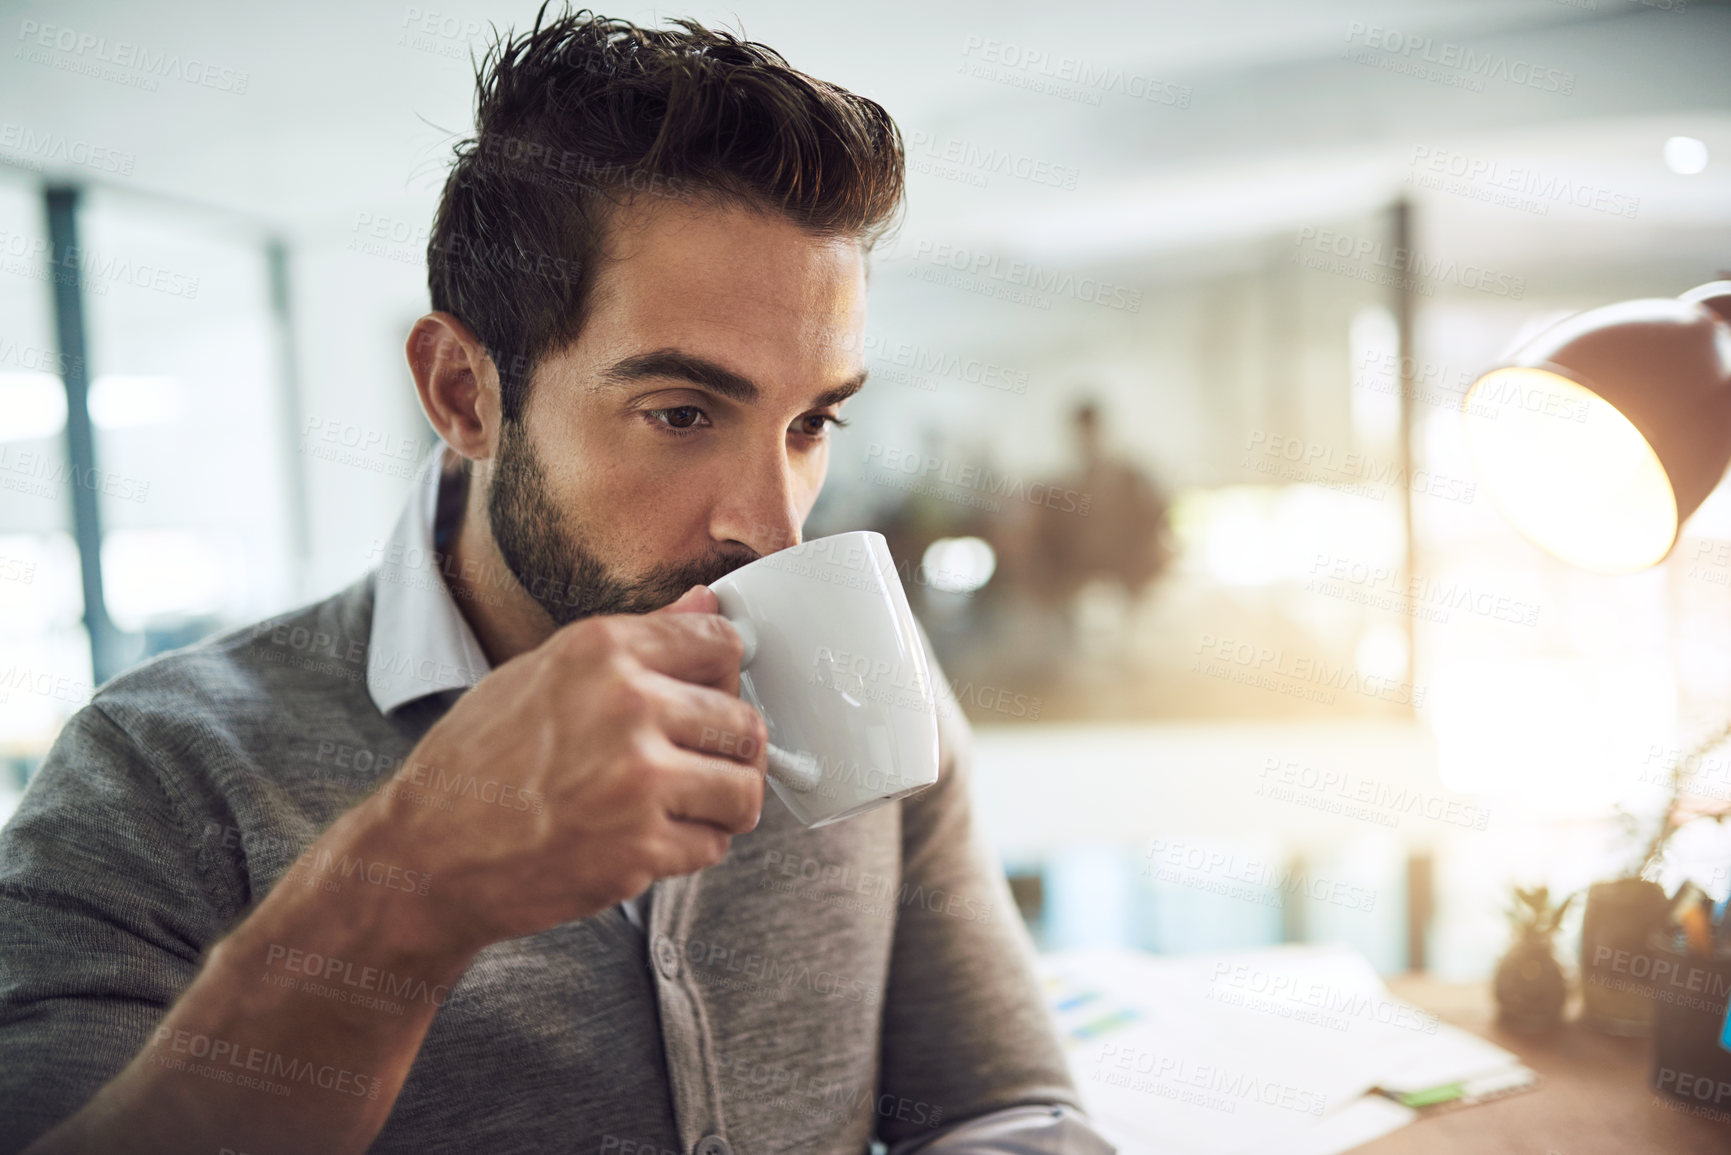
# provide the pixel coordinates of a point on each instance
(1250, 656)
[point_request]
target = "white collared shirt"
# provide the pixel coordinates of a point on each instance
(421, 642)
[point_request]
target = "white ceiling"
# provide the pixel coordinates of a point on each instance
(343, 113)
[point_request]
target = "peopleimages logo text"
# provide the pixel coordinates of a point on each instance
(1089, 77)
(155, 63)
(971, 476)
(1026, 275)
(1393, 258)
(1470, 62)
(1265, 667)
(984, 161)
(31, 145)
(1544, 188)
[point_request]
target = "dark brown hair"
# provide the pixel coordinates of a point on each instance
(583, 113)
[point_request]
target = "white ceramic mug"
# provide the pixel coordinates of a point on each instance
(834, 662)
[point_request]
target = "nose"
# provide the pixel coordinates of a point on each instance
(757, 506)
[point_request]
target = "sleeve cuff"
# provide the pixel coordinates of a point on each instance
(1049, 1130)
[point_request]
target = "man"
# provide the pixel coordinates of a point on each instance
(475, 856)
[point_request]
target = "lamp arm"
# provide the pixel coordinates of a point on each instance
(1715, 295)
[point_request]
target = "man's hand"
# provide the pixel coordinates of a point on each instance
(568, 780)
(616, 753)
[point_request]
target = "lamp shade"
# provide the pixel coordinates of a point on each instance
(1602, 434)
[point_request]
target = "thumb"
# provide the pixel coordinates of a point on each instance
(696, 600)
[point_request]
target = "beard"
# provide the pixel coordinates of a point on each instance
(550, 561)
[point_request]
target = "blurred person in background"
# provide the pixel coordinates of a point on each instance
(454, 860)
(1103, 522)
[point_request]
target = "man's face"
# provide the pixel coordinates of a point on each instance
(686, 431)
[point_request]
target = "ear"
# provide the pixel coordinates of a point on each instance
(458, 384)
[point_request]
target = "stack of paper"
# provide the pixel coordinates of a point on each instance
(1254, 1053)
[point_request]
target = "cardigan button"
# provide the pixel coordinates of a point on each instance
(666, 956)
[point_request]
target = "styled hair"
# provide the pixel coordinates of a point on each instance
(582, 114)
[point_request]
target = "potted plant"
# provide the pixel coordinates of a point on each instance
(1623, 927)
(1530, 987)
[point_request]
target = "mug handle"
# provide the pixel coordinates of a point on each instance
(798, 772)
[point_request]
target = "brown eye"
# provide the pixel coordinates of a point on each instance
(816, 423)
(682, 416)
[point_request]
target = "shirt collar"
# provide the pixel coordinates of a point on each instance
(421, 643)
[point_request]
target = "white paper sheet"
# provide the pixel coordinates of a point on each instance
(1247, 1053)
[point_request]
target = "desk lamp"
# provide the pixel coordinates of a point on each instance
(1597, 439)
(1602, 434)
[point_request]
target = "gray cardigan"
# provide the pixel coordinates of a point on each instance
(816, 989)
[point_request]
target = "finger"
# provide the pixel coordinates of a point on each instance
(702, 600)
(693, 647)
(686, 847)
(696, 600)
(709, 721)
(710, 789)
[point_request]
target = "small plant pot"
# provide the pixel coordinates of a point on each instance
(1622, 939)
(1530, 987)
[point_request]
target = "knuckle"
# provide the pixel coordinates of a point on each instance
(602, 635)
(754, 727)
(726, 637)
(741, 796)
(627, 696)
(751, 810)
(643, 755)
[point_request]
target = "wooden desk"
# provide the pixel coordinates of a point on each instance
(1593, 1099)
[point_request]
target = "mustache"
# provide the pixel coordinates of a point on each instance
(704, 570)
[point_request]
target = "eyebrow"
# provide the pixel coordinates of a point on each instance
(706, 374)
